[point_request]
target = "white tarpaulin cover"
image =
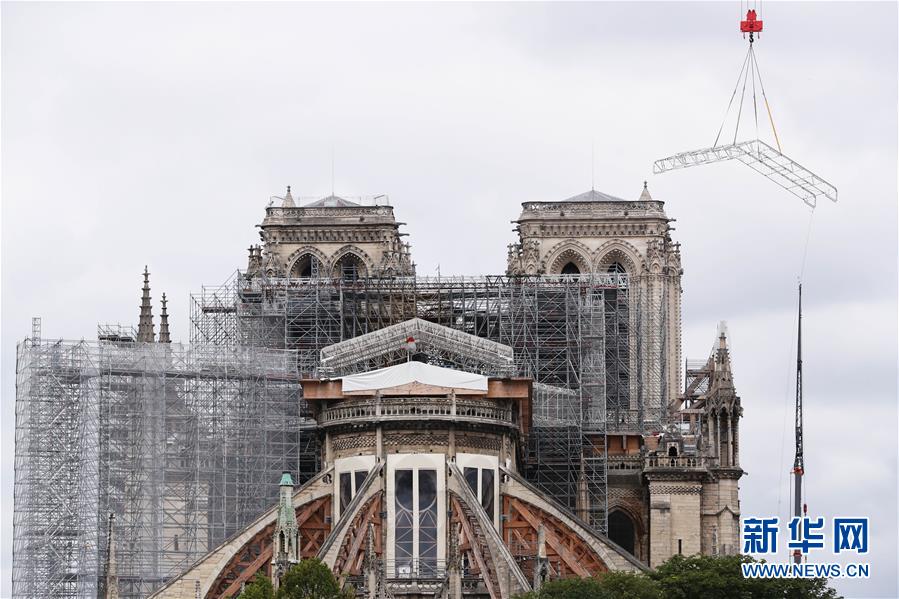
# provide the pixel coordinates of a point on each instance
(414, 372)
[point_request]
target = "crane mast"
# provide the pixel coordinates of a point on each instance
(798, 462)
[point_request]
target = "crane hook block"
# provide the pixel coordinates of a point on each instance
(751, 24)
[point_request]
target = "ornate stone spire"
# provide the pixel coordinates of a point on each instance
(164, 336)
(645, 196)
(286, 542)
(541, 564)
(112, 578)
(145, 331)
(370, 565)
(454, 564)
(287, 201)
(722, 377)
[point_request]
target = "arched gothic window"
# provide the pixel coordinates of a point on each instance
(622, 530)
(571, 268)
(307, 266)
(350, 267)
(616, 267)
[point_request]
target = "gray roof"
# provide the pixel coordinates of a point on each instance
(594, 196)
(331, 201)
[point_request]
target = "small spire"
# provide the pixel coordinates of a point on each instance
(722, 354)
(286, 538)
(164, 336)
(112, 578)
(145, 331)
(288, 200)
(645, 196)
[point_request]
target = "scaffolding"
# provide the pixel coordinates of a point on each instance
(183, 446)
(601, 337)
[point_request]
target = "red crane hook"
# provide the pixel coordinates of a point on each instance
(751, 25)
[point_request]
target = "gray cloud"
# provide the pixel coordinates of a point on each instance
(154, 133)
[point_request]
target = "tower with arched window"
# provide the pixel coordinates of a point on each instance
(331, 237)
(595, 234)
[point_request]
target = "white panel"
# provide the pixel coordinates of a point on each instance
(414, 372)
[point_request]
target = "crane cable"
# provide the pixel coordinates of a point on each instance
(750, 65)
(729, 104)
(765, 97)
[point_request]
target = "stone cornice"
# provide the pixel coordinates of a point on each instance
(672, 488)
(594, 207)
(728, 473)
(329, 211)
(697, 476)
(567, 228)
(332, 235)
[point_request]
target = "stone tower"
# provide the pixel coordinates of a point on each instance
(693, 472)
(596, 233)
(145, 331)
(330, 237)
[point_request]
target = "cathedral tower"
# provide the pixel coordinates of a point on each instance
(331, 237)
(597, 233)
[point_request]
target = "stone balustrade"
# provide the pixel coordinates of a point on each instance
(416, 408)
(680, 462)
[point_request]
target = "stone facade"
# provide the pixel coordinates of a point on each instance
(594, 233)
(434, 507)
(671, 450)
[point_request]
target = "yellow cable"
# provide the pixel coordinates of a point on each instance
(773, 128)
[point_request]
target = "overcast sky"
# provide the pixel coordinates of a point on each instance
(154, 134)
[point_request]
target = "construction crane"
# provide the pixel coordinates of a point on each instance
(798, 461)
(754, 153)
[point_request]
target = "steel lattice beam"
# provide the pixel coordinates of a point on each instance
(761, 158)
(341, 357)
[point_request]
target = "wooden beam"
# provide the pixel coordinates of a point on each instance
(475, 549)
(571, 560)
(359, 536)
(248, 572)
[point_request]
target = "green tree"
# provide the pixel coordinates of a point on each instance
(569, 588)
(610, 585)
(260, 588)
(630, 585)
(722, 578)
(310, 579)
(694, 577)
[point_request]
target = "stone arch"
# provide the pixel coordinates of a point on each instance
(565, 253)
(623, 530)
(621, 252)
(297, 260)
(640, 539)
(252, 553)
(351, 255)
